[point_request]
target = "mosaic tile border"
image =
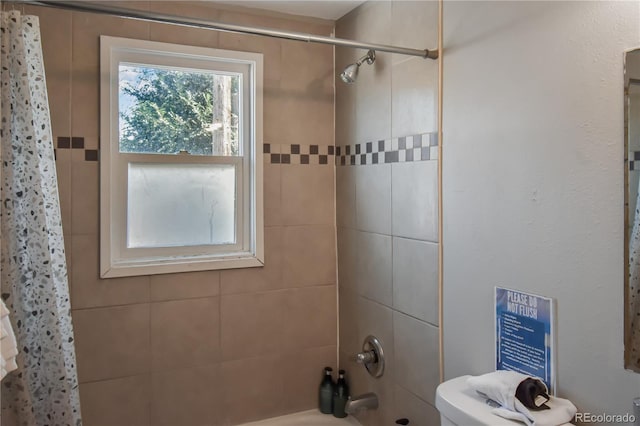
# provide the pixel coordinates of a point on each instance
(422, 147)
(634, 161)
(298, 154)
(68, 142)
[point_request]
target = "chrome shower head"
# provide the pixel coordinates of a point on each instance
(350, 73)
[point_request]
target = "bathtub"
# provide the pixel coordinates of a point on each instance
(306, 418)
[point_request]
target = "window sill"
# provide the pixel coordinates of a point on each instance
(155, 266)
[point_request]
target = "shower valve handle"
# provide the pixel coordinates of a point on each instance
(366, 357)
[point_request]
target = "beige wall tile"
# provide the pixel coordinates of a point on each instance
(307, 263)
(347, 258)
(185, 332)
(186, 397)
(307, 68)
(273, 98)
(372, 92)
(175, 34)
(302, 205)
(345, 96)
(374, 267)
(415, 200)
(253, 388)
(376, 320)
(372, 22)
(373, 100)
(416, 356)
(382, 387)
(252, 324)
(345, 112)
(272, 194)
(350, 342)
(266, 19)
(373, 198)
(268, 277)
(180, 34)
(394, 97)
(112, 342)
(67, 255)
(84, 197)
(361, 382)
(118, 341)
(121, 402)
(63, 172)
(294, 117)
(415, 278)
(186, 285)
(303, 371)
(310, 317)
(55, 30)
(414, 107)
(414, 24)
(269, 47)
(418, 412)
(345, 196)
(85, 93)
(87, 29)
(91, 291)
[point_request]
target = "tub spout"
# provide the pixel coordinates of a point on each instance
(368, 401)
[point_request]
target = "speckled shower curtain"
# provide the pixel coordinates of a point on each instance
(44, 389)
(634, 284)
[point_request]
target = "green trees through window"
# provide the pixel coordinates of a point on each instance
(167, 111)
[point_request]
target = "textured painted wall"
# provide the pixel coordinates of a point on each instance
(533, 182)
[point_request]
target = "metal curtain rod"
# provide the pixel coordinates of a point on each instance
(201, 23)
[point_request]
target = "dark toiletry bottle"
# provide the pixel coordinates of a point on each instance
(340, 396)
(325, 394)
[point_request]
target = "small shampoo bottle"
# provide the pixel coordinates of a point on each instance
(325, 393)
(340, 396)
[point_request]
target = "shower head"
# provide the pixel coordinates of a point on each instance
(350, 73)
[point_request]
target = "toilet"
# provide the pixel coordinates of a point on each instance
(459, 405)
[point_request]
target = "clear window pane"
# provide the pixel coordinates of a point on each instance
(169, 110)
(181, 205)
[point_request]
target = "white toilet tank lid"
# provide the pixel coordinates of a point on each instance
(456, 401)
(463, 406)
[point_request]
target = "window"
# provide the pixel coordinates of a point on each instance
(181, 158)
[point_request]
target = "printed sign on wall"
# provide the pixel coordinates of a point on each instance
(525, 334)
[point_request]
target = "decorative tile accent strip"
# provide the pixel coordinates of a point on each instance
(634, 160)
(66, 142)
(298, 154)
(397, 150)
(422, 147)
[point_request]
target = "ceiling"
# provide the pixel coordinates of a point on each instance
(325, 9)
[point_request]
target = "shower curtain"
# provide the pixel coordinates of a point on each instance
(44, 389)
(634, 284)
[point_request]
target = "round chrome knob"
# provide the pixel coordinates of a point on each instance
(367, 357)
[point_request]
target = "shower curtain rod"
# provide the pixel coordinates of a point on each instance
(201, 23)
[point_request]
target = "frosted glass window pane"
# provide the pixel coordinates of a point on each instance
(181, 205)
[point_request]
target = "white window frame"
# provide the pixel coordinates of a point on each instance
(116, 259)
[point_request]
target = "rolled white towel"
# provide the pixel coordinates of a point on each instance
(500, 386)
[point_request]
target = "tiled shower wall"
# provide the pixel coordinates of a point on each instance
(200, 348)
(387, 209)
